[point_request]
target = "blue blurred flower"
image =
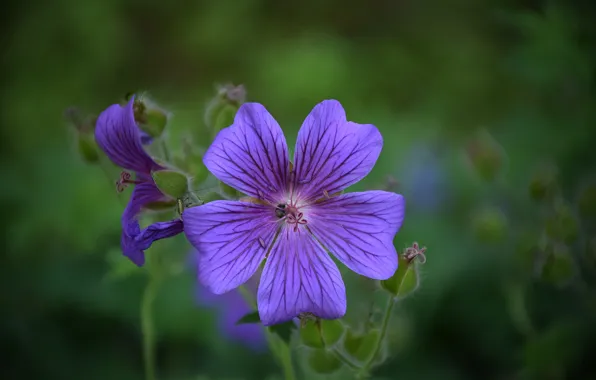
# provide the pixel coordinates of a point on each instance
(423, 178)
(230, 308)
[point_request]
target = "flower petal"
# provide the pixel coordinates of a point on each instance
(118, 135)
(251, 155)
(232, 240)
(358, 228)
(143, 193)
(299, 277)
(134, 241)
(332, 153)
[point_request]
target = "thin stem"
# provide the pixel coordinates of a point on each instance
(278, 347)
(344, 359)
(164, 148)
(148, 329)
(379, 343)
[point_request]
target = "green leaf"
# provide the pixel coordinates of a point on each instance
(323, 361)
(170, 182)
(252, 317)
(405, 279)
(283, 330)
(229, 190)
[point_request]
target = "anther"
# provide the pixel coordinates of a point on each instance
(262, 243)
(326, 194)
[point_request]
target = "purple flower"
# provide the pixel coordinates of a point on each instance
(231, 307)
(118, 135)
(295, 214)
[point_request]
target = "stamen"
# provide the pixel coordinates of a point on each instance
(326, 194)
(262, 243)
(124, 181)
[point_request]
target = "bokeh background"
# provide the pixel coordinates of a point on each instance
(479, 103)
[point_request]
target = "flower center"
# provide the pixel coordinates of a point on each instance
(124, 181)
(291, 214)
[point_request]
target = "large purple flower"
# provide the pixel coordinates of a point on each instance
(295, 215)
(118, 135)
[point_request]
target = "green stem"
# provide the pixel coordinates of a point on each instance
(278, 347)
(379, 343)
(164, 148)
(344, 359)
(148, 329)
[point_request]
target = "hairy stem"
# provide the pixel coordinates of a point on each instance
(379, 343)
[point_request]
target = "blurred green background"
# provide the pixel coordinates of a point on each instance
(508, 290)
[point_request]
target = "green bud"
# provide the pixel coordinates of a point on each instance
(150, 117)
(543, 184)
(558, 267)
(323, 362)
(587, 202)
(223, 107)
(562, 225)
(88, 148)
(490, 225)
(229, 190)
(486, 155)
(405, 280)
(224, 118)
(170, 182)
(156, 121)
(361, 346)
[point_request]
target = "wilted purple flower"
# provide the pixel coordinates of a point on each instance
(295, 214)
(118, 135)
(231, 308)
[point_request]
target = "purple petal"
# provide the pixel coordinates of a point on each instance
(251, 155)
(332, 153)
(118, 135)
(299, 277)
(231, 238)
(133, 240)
(358, 228)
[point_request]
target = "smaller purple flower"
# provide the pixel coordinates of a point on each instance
(118, 135)
(231, 308)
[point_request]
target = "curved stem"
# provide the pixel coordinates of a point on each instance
(379, 343)
(345, 360)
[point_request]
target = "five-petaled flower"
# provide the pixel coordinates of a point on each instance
(295, 215)
(118, 135)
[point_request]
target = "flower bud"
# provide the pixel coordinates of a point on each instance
(222, 109)
(322, 361)
(562, 225)
(543, 185)
(405, 280)
(361, 346)
(489, 225)
(558, 267)
(150, 117)
(485, 155)
(88, 148)
(170, 182)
